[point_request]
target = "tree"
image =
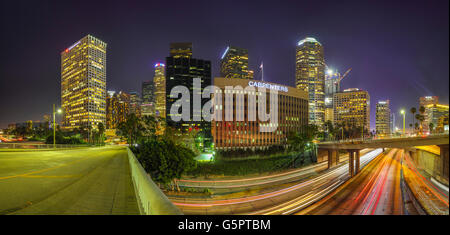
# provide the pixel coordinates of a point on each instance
(431, 126)
(101, 131)
(413, 110)
(165, 160)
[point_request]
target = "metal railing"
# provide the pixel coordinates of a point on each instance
(38, 146)
(151, 200)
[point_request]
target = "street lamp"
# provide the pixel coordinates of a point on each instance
(54, 125)
(404, 116)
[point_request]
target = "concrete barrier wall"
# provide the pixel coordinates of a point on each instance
(151, 200)
(427, 161)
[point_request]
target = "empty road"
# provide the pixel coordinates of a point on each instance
(79, 181)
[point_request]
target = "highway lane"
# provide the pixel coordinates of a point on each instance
(374, 191)
(272, 179)
(292, 198)
(79, 181)
(433, 200)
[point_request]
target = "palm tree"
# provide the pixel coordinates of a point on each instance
(413, 110)
(101, 130)
(422, 113)
(431, 126)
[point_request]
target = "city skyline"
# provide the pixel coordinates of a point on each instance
(129, 64)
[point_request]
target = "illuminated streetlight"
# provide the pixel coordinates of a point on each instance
(404, 116)
(54, 125)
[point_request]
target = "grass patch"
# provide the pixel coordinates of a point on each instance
(252, 166)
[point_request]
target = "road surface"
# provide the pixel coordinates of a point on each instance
(374, 191)
(288, 200)
(79, 181)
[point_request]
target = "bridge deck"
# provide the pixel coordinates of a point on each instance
(81, 181)
(406, 142)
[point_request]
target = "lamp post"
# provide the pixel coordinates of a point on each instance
(54, 125)
(404, 116)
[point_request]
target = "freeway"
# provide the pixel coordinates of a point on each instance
(375, 190)
(433, 200)
(224, 186)
(79, 181)
(287, 200)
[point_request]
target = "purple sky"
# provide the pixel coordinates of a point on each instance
(398, 49)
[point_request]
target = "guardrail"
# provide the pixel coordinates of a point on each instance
(151, 200)
(370, 139)
(38, 146)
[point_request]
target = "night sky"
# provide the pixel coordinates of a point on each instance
(399, 50)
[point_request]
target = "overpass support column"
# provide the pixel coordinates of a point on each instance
(332, 158)
(351, 162)
(443, 170)
(356, 161)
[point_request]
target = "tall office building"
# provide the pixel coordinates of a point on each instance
(429, 103)
(160, 90)
(435, 113)
(310, 77)
(427, 100)
(148, 99)
(148, 91)
(83, 84)
(234, 63)
(117, 108)
(181, 50)
(181, 71)
(135, 103)
(352, 108)
(383, 118)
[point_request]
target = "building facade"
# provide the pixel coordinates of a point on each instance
(310, 77)
(160, 90)
(148, 99)
(135, 103)
(181, 49)
(83, 83)
(117, 108)
(234, 63)
(181, 71)
(427, 100)
(352, 108)
(245, 133)
(383, 118)
(436, 114)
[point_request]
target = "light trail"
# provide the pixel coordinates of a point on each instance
(321, 186)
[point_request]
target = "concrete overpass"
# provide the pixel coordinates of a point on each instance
(84, 180)
(408, 143)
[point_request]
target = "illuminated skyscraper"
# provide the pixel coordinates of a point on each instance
(83, 83)
(427, 100)
(148, 99)
(117, 108)
(310, 77)
(234, 63)
(352, 108)
(135, 103)
(160, 90)
(383, 118)
(181, 71)
(181, 49)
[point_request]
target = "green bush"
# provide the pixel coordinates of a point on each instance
(163, 159)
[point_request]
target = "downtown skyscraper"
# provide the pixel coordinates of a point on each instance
(148, 99)
(310, 77)
(83, 83)
(383, 118)
(159, 81)
(181, 70)
(234, 63)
